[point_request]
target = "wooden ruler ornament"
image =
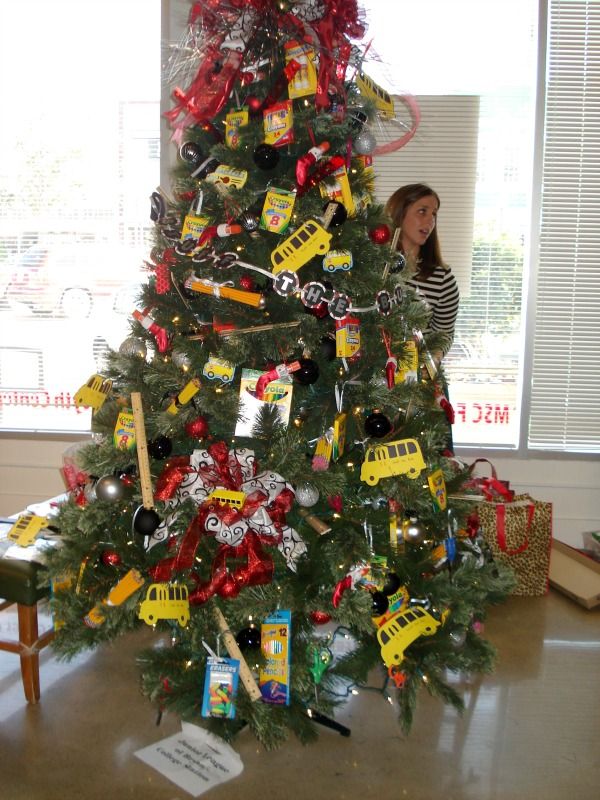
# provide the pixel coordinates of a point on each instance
(145, 519)
(234, 652)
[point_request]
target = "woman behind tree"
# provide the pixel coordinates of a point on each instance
(414, 209)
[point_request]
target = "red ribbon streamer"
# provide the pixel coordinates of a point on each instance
(396, 144)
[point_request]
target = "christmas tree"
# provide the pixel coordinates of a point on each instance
(269, 470)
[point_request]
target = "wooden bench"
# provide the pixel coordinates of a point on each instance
(19, 585)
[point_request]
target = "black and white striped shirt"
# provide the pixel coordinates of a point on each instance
(440, 291)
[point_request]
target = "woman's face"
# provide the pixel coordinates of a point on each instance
(418, 223)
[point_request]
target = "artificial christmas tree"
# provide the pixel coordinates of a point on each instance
(268, 469)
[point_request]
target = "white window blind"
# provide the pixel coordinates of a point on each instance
(565, 407)
(442, 154)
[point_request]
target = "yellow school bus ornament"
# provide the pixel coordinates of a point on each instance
(93, 393)
(166, 601)
(311, 239)
(25, 530)
(401, 630)
(402, 457)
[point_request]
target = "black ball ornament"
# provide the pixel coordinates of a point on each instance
(191, 154)
(379, 604)
(357, 119)
(377, 425)
(340, 214)
(248, 639)
(145, 521)
(110, 489)
(160, 448)
(266, 156)
(398, 264)
(249, 221)
(328, 348)
(308, 372)
(391, 585)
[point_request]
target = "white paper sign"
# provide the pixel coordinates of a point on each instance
(194, 759)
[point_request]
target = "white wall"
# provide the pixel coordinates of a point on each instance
(29, 473)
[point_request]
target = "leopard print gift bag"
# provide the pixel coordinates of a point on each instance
(519, 534)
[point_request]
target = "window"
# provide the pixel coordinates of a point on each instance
(474, 145)
(564, 412)
(79, 150)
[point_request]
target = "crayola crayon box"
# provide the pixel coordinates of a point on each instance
(278, 392)
(275, 642)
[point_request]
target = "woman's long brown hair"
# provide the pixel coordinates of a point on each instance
(430, 255)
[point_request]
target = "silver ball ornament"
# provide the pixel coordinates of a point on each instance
(457, 636)
(415, 532)
(378, 503)
(89, 492)
(181, 360)
(307, 495)
(109, 488)
(365, 143)
(132, 346)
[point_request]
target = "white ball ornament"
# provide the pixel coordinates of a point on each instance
(307, 495)
(365, 143)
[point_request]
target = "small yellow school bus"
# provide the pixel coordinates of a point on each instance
(227, 498)
(309, 240)
(395, 635)
(93, 393)
(26, 529)
(337, 259)
(371, 90)
(402, 457)
(218, 369)
(166, 601)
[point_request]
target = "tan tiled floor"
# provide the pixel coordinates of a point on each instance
(531, 730)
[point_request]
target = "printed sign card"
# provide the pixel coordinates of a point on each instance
(195, 760)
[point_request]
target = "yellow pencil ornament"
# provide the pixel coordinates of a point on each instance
(254, 299)
(185, 395)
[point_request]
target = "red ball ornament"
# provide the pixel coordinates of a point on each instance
(380, 234)
(254, 104)
(335, 501)
(247, 283)
(320, 617)
(197, 428)
(110, 558)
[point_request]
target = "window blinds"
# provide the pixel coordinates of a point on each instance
(442, 154)
(565, 393)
